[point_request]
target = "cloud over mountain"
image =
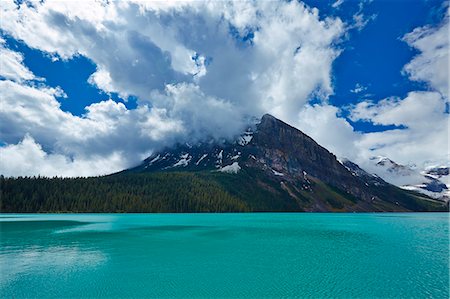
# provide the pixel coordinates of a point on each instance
(197, 69)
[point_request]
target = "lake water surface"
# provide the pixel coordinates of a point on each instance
(267, 255)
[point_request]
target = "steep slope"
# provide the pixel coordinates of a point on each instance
(274, 166)
(441, 173)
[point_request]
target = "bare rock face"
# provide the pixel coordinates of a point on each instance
(439, 171)
(291, 151)
(285, 164)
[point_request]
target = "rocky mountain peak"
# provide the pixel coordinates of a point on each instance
(280, 159)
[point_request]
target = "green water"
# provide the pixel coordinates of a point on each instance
(224, 255)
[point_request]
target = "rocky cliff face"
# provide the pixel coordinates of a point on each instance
(279, 162)
(288, 150)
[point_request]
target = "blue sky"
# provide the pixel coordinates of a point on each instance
(71, 75)
(375, 56)
(359, 74)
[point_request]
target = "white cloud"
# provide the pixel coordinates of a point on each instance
(11, 65)
(195, 67)
(337, 3)
(425, 136)
(358, 88)
(432, 64)
(108, 128)
(323, 124)
(216, 117)
(102, 79)
(28, 158)
(422, 140)
(417, 110)
(360, 20)
(159, 43)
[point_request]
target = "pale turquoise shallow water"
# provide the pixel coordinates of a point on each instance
(224, 255)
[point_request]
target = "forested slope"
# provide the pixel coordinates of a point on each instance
(159, 192)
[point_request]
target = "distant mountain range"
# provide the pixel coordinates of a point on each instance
(432, 181)
(270, 167)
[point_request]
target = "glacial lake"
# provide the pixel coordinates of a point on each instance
(266, 255)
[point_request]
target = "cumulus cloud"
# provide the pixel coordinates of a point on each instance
(414, 111)
(324, 124)
(216, 117)
(432, 64)
(421, 119)
(196, 68)
(199, 42)
(420, 136)
(28, 158)
(11, 65)
(107, 127)
(425, 136)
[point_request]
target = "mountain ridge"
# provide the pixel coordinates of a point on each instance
(430, 181)
(288, 160)
(270, 167)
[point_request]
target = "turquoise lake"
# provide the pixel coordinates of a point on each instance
(267, 255)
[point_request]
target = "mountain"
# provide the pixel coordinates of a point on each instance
(440, 173)
(272, 166)
(431, 181)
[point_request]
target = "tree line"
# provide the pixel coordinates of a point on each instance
(156, 192)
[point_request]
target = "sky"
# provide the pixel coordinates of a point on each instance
(94, 87)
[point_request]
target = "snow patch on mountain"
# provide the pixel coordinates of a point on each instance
(233, 168)
(155, 159)
(245, 138)
(441, 173)
(201, 158)
(277, 173)
(444, 195)
(235, 157)
(184, 161)
(409, 178)
(219, 159)
(394, 173)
